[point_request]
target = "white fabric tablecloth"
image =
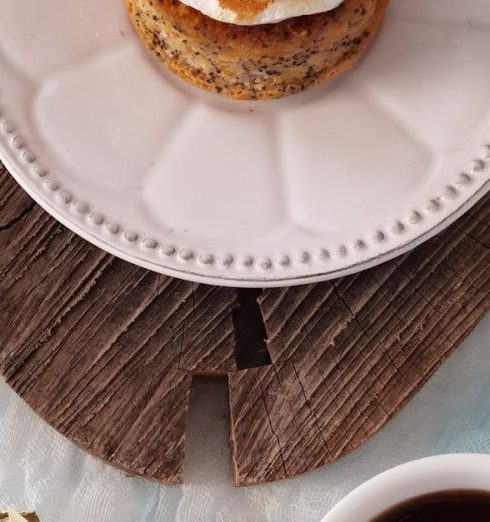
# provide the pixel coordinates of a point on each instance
(40, 470)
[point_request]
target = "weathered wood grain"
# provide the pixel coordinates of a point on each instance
(100, 348)
(105, 351)
(348, 354)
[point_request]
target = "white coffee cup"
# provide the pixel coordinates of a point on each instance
(413, 479)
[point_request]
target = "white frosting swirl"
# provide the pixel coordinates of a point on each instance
(275, 11)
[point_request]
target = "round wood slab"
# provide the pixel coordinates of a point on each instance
(105, 351)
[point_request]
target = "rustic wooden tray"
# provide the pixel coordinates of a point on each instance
(105, 351)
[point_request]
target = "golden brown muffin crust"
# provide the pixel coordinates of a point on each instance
(259, 61)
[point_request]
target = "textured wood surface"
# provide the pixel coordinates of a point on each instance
(106, 351)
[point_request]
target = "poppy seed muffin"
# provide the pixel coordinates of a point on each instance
(256, 61)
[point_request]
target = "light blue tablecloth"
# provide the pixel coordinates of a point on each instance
(41, 470)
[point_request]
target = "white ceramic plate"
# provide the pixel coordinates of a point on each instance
(278, 193)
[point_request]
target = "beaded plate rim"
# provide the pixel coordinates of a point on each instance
(28, 171)
(436, 210)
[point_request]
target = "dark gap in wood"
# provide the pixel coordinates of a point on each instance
(207, 443)
(250, 334)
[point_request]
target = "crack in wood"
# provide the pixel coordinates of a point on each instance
(326, 381)
(311, 410)
(363, 331)
(271, 426)
(251, 349)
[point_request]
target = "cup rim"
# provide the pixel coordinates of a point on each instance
(453, 466)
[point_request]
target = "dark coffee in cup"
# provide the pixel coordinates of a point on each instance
(443, 506)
